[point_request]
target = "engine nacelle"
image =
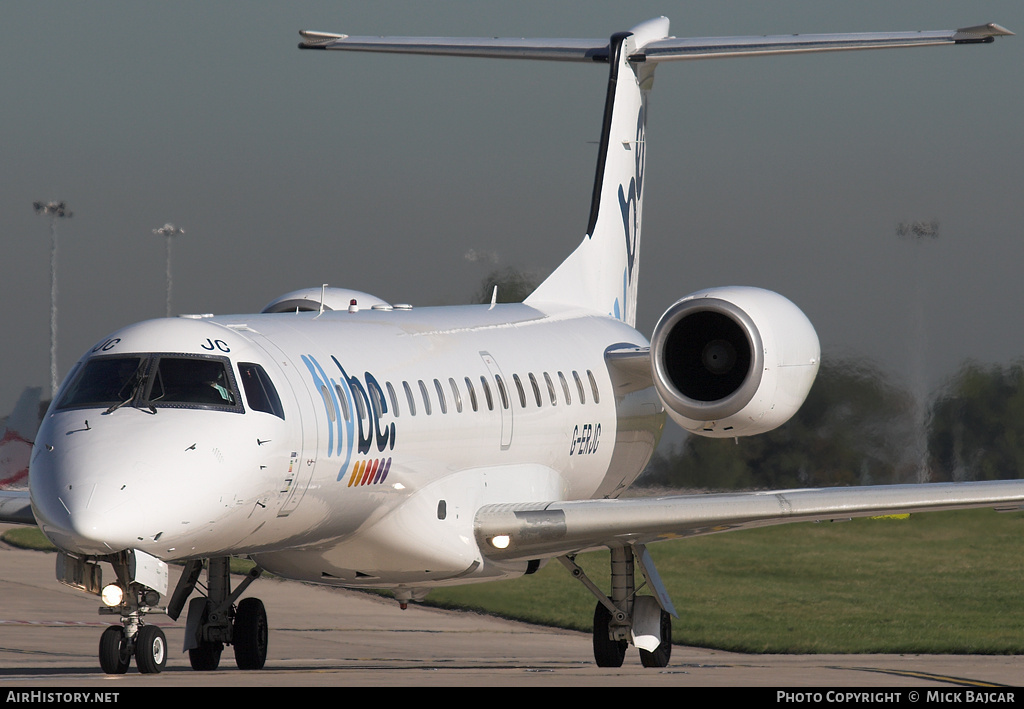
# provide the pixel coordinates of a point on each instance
(733, 361)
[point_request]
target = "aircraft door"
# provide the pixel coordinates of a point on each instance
(303, 454)
(503, 399)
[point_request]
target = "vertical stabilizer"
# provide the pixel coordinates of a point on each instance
(601, 274)
(18, 434)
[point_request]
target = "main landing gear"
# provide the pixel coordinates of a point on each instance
(625, 618)
(214, 619)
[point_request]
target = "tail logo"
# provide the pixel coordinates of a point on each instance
(630, 200)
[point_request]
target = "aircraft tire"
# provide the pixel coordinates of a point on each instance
(660, 657)
(114, 654)
(205, 657)
(250, 634)
(607, 652)
(150, 650)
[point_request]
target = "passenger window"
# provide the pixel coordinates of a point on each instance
(376, 397)
(472, 393)
(426, 398)
(394, 399)
(409, 396)
(565, 388)
(455, 394)
(359, 396)
(343, 400)
(329, 403)
(536, 390)
(551, 389)
(501, 391)
(593, 387)
(579, 387)
(259, 390)
(440, 397)
(487, 393)
(522, 393)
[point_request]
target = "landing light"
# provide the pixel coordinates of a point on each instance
(112, 595)
(501, 541)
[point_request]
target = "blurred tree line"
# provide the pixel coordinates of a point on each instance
(859, 428)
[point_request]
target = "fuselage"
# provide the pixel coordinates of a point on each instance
(341, 447)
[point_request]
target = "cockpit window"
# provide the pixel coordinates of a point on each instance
(260, 391)
(105, 381)
(188, 380)
(153, 381)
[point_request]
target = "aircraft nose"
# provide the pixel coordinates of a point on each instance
(118, 484)
(79, 514)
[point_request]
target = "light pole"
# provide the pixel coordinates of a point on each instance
(55, 210)
(919, 233)
(168, 231)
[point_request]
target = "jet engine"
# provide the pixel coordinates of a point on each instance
(733, 361)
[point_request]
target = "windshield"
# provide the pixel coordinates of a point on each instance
(153, 381)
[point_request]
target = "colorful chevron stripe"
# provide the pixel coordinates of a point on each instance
(369, 472)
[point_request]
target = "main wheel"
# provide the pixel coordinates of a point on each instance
(150, 650)
(205, 657)
(607, 652)
(250, 634)
(115, 655)
(660, 657)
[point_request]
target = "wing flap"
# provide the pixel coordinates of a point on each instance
(530, 531)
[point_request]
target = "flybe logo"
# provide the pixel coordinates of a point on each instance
(630, 201)
(354, 408)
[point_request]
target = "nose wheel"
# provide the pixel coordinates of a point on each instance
(115, 651)
(149, 648)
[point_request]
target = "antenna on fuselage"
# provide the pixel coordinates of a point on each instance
(323, 296)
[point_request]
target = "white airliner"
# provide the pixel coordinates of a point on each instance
(339, 439)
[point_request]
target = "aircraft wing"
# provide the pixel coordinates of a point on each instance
(15, 507)
(669, 49)
(530, 531)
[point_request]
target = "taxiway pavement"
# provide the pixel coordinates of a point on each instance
(49, 635)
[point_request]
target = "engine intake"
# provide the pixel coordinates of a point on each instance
(733, 361)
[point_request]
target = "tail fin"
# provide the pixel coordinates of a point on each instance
(16, 444)
(602, 272)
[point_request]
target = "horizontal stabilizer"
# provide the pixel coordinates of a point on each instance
(657, 50)
(497, 47)
(673, 48)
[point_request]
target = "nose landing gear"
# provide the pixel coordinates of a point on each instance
(146, 643)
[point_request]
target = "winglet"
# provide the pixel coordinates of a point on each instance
(980, 33)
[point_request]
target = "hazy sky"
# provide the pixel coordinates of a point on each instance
(290, 169)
